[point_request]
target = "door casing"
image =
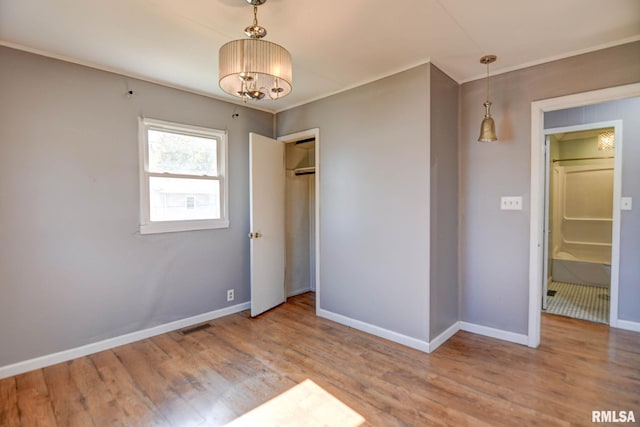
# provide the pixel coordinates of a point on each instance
(617, 194)
(312, 133)
(536, 253)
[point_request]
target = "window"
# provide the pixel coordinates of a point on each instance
(183, 184)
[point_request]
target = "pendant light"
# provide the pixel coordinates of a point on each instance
(252, 68)
(488, 127)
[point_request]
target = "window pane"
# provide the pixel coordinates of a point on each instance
(182, 154)
(178, 199)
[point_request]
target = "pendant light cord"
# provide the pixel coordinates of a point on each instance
(487, 82)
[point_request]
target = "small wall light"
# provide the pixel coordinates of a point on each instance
(606, 140)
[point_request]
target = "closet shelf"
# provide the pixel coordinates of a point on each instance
(305, 171)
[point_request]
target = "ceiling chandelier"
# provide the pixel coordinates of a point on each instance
(252, 68)
(488, 126)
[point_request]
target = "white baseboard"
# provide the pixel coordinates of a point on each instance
(298, 292)
(443, 337)
(63, 356)
(628, 325)
(494, 333)
(375, 330)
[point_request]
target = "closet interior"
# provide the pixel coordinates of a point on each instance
(300, 216)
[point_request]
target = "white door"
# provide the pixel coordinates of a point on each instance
(267, 233)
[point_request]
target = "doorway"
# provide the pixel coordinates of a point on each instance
(537, 193)
(579, 189)
(302, 207)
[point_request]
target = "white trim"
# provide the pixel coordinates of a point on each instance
(360, 83)
(315, 133)
(176, 226)
(553, 58)
(494, 333)
(120, 72)
(628, 325)
(461, 80)
(65, 355)
(616, 225)
(538, 108)
(298, 292)
(443, 337)
(375, 330)
(276, 109)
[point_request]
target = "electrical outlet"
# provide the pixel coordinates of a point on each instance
(230, 295)
(513, 203)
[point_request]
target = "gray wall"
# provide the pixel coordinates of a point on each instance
(495, 244)
(73, 267)
(374, 196)
(627, 110)
(444, 303)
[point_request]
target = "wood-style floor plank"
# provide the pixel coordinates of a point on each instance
(137, 408)
(9, 414)
(68, 402)
(34, 403)
(288, 367)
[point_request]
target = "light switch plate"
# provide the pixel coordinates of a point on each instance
(511, 203)
(626, 203)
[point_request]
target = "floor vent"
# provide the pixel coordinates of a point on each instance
(193, 329)
(551, 293)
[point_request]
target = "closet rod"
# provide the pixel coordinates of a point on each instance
(303, 141)
(583, 158)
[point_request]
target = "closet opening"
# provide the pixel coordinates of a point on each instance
(301, 212)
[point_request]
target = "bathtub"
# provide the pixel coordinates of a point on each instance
(566, 267)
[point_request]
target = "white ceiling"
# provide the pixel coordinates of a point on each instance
(335, 44)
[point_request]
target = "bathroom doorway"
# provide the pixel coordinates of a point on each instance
(566, 114)
(579, 215)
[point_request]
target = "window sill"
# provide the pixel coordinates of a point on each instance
(177, 226)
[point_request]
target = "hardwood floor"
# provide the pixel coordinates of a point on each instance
(297, 369)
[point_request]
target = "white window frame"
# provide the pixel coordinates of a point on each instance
(151, 227)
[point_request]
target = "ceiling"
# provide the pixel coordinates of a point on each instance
(335, 44)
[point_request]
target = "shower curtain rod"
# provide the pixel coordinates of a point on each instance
(583, 158)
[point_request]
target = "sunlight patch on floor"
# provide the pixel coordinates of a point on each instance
(307, 404)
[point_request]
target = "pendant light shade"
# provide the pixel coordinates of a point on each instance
(488, 126)
(254, 64)
(254, 68)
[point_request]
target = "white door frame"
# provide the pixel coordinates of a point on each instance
(538, 108)
(312, 133)
(545, 224)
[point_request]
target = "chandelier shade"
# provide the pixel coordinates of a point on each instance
(248, 65)
(253, 68)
